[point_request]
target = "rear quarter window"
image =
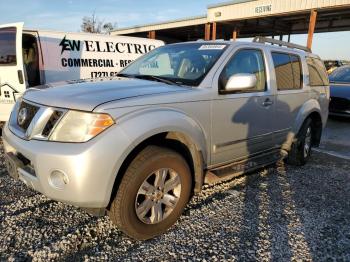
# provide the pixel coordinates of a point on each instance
(317, 72)
(8, 46)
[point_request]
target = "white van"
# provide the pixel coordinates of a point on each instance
(30, 58)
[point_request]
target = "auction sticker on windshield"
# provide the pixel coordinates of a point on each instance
(211, 47)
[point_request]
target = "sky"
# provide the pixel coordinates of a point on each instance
(66, 15)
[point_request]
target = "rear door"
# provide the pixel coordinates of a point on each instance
(291, 93)
(12, 81)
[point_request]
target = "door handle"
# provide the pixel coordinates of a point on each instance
(20, 77)
(267, 102)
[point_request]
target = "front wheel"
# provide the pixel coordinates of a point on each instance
(301, 149)
(152, 194)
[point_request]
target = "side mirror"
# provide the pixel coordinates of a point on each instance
(241, 82)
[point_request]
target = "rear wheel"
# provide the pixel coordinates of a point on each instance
(301, 149)
(153, 193)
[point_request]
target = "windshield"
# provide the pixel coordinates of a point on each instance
(185, 64)
(341, 74)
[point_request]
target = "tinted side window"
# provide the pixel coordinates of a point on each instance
(8, 46)
(317, 72)
(284, 71)
(249, 61)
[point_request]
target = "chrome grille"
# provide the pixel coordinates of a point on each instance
(37, 122)
(30, 110)
(56, 115)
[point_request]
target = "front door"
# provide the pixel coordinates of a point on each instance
(12, 81)
(241, 121)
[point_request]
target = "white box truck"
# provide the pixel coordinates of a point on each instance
(30, 58)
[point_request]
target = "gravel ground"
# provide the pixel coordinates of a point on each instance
(281, 213)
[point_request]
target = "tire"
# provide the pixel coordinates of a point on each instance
(300, 151)
(127, 210)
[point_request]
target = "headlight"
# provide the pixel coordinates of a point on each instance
(13, 115)
(78, 126)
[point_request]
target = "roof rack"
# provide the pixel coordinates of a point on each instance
(261, 39)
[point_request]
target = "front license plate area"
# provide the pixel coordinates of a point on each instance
(12, 164)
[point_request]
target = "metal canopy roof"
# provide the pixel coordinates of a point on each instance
(193, 20)
(229, 3)
(251, 18)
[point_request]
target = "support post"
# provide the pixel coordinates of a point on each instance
(152, 34)
(235, 33)
(207, 32)
(214, 31)
(312, 24)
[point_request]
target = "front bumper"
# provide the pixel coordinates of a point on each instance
(90, 167)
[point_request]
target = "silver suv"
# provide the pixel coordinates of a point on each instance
(182, 115)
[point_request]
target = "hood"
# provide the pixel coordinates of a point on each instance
(340, 90)
(87, 95)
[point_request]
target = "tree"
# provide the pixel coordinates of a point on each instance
(108, 27)
(96, 26)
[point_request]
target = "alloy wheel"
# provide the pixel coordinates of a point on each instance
(307, 144)
(158, 196)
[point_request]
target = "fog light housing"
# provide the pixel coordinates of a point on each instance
(58, 179)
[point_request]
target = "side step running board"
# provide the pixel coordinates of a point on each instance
(238, 168)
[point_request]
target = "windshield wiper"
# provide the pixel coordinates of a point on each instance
(125, 75)
(152, 77)
(157, 78)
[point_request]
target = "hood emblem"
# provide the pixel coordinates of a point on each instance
(22, 116)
